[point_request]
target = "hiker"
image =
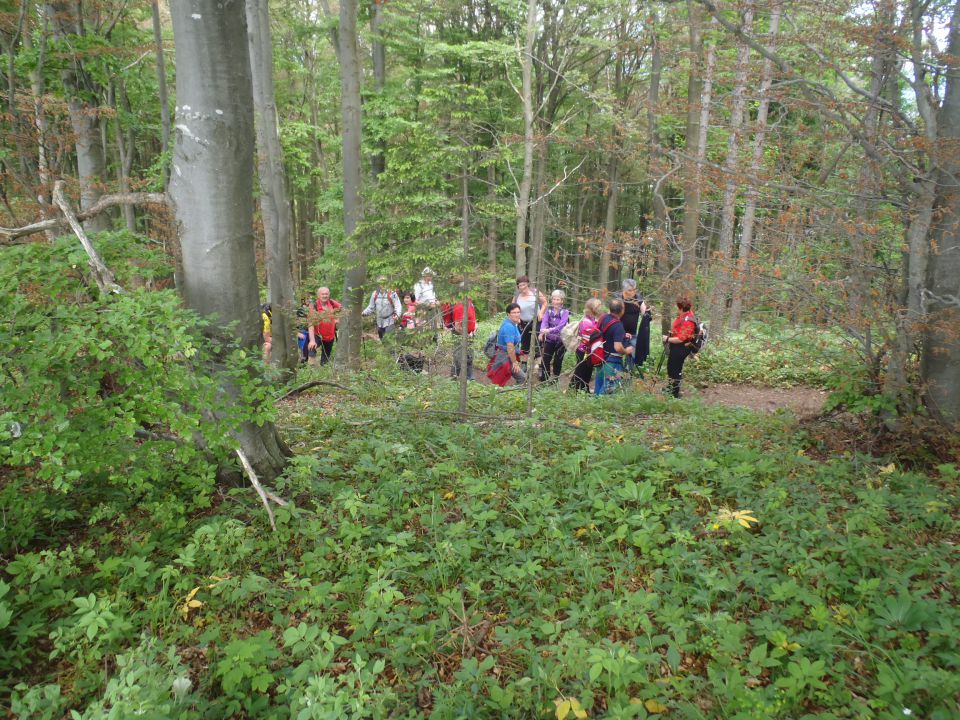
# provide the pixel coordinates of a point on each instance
(408, 321)
(555, 318)
(266, 328)
(506, 361)
(458, 334)
(682, 333)
(303, 332)
(615, 347)
(385, 305)
(583, 370)
(324, 333)
(528, 299)
(423, 292)
(636, 324)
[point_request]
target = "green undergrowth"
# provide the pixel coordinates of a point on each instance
(779, 354)
(623, 557)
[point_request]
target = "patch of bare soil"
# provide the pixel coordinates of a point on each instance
(804, 402)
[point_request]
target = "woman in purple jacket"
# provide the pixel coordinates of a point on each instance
(554, 319)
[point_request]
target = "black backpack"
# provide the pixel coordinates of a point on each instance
(700, 336)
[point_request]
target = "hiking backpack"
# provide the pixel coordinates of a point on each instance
(490, 346)
(597, 354)
(700, 336)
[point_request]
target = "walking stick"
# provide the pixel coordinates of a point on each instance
(663, 354)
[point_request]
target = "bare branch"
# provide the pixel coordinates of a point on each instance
(101, 273)
(8, 235)
(257, 486)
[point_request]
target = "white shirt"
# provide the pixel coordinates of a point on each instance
(423, 293)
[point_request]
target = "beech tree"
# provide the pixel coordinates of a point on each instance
(211, 187)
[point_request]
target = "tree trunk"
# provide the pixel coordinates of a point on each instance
(465, 293)
(162, 85)
(526, 99)
(274, 199)
(691, 188)
(494, 284)
(609, 225)
(940, 359)
(37, 91)
(378, 161)
(211, 189)
(348, 351)
(84, 117)
(718, 298)
(538, 218)
(750, 208)
(123, 164)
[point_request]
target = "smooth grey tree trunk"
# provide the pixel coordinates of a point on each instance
(609, 224)
(940, 359)
(718, 297)
(752, 194)
(348, 351)
(161, 85)
(84, 117)
(274, 198)
(211, 187)
(691, 180)
(491, 230)
(526, 100)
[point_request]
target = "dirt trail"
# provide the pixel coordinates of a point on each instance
(804, 402)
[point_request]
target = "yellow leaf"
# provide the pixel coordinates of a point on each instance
(577, 421)
(192, 593)
(619, 439)
(636, 701)
(449, 495)
(563, 709)
(194, 604)
(580, 532)
(578, 711)
(887, 469)
(653, 706)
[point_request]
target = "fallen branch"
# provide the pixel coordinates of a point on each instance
(257, 486)
(8, 235)
(312, 384)
(101, 273)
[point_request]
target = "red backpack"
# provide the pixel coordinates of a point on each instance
(597, 354)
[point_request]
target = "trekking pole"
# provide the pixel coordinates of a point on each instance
(663, 354)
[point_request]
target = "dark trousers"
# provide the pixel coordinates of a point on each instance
(643, 340)
(526, 335)
(582, 372)
(678, 354)
(326, 349)
(455, 370)
(553, 352)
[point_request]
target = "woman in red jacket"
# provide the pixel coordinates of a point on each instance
(678, 342)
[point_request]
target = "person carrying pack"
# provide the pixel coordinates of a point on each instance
(385, 305)
(680, 343)
(583, 370)
(614, 348)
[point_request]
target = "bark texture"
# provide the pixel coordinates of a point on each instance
(211, 186)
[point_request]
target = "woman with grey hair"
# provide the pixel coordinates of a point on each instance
(554, 320)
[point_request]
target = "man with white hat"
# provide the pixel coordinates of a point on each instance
(385, 305)
(423, 292)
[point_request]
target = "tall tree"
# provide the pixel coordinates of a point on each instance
(356, 275)
(211, 188)
(274, 199)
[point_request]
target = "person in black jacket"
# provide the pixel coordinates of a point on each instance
(636, 324)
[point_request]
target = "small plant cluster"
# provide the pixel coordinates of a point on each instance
(675, 560)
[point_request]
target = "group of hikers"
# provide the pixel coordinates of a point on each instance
(609, 346)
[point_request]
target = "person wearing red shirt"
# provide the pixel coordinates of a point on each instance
(458, 333)
(324, 332)
(682, 333)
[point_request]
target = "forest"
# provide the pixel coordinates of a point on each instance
(198, 519)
